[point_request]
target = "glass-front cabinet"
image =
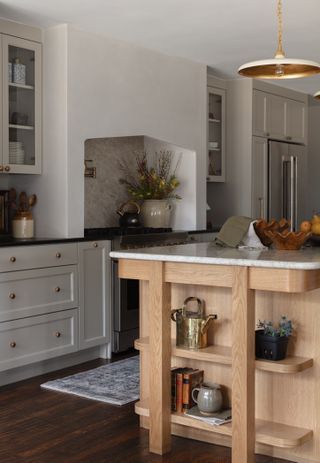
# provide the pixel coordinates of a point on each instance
(216, 170)
(21, 102)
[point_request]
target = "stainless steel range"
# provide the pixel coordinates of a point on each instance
(125, 293)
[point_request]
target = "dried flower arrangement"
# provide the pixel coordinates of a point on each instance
(156, 181)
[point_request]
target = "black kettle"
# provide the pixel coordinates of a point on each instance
(129, 218)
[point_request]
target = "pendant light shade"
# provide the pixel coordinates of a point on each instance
(279, 67)
(317, 96)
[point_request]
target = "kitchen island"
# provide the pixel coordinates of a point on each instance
(275, 405)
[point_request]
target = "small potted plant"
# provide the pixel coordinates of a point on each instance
(271, 341)
(154, 183)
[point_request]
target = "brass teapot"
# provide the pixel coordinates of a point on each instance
(192, 326)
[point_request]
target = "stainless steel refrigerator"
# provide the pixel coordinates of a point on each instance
(286, 178)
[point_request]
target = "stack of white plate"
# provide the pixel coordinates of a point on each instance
(16, 152)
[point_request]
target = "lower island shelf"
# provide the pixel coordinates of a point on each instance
(268, 433)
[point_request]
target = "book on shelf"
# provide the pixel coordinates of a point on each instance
(214, 419)
(191, 380)
(177, 387)
(174, 372)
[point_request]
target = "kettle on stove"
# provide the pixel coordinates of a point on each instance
(129, 218)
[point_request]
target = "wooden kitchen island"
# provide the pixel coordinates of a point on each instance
(275, 405)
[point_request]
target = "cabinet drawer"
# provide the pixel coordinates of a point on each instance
(28, 257)
(38, 338)
(35, 292)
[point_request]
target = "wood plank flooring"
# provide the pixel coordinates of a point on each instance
(40, 426)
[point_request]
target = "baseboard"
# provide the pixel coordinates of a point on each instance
(40, 368)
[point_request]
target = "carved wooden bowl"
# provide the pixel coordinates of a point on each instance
(287, 240)
(261, 227)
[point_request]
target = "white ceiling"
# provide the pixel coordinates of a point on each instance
(220, 33)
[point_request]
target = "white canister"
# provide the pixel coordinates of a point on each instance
(23, 225)
(18, 72)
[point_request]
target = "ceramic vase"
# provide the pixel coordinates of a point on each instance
(156, 213)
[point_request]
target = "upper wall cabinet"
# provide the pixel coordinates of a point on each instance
(216, 165)
(278, 118)
(20, 152)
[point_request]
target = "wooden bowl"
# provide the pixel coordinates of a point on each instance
(261, 227)
(287, 240)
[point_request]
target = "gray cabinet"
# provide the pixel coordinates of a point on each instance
(296, 121)
(20, 152)
(278, 118)
(33, 339)
(94, 284)
(38, 303)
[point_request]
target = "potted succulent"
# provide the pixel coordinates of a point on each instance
(271, 341)
(154, 183)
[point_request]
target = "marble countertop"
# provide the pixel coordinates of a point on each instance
(209, 253)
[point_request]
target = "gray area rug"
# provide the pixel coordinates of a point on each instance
(116, 383)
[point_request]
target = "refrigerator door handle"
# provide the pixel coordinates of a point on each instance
(286, 188)
(294, 192)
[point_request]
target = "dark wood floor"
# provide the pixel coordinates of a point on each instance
(40, 426)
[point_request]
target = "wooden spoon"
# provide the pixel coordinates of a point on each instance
(32, 200)
(23, 201)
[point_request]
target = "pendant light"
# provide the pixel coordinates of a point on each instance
(317, 96)
(279, 67)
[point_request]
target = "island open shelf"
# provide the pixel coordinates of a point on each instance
(275, 405)
(268, 433)
(222, 355)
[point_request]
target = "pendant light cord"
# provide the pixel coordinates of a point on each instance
(280, 52)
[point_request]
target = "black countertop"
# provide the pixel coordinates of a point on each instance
(90, 235)
(9, 241)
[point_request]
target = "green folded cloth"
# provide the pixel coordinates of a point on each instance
(233, 231)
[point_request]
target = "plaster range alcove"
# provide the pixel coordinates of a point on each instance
(104, 194)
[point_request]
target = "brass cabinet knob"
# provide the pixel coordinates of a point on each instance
(12, 296)
(289, 138)
(57, 289)
(1, 168)
(58, 255)
(95, 245)
(57, 334)
(13, 344)
(7, 168)
(12, 259)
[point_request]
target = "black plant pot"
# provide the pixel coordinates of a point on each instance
(269, 347)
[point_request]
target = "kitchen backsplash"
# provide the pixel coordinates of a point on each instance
(104, 194)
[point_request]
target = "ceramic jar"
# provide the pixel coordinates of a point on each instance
(156, 213)
(23, 225)
(209, 398)
(18, 72)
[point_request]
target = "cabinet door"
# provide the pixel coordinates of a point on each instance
(276, 110)
(1, 102)
(216, 163)
(95, 293)
(295, 121)
(259, 120)
(21, 88)
(259, 178)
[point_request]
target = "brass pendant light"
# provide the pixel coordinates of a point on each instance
(317, 96)
(279, 67)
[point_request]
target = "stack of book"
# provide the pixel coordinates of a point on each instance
(216, 419)
(183, 381)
